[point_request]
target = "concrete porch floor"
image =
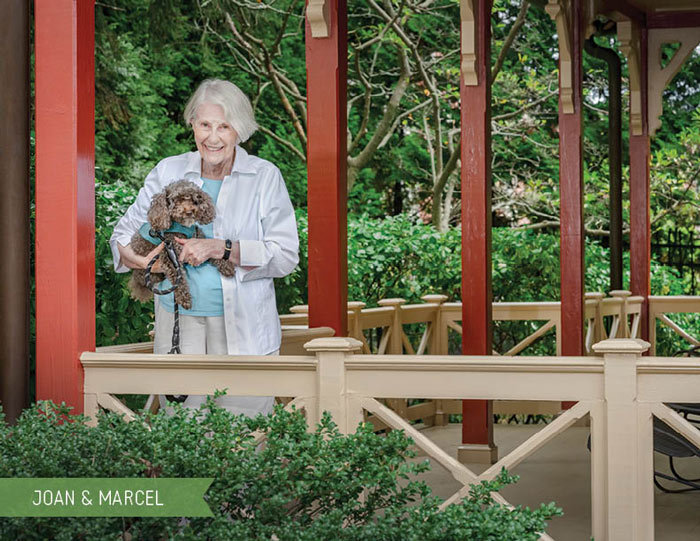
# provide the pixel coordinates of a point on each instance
(560, 472)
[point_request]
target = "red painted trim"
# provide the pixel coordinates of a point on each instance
(65, 196)
(571, 206)
(476, 225)
(674, 19)
(640, 221)
(326, 67)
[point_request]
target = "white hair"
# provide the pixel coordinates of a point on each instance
(237, 108)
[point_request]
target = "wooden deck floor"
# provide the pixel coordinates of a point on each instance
(560, 472)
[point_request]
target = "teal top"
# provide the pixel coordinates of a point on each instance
(204, 280)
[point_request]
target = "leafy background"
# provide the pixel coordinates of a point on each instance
(403, 230)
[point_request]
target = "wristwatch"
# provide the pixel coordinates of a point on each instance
(227, 250)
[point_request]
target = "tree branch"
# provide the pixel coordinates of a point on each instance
(284, 142)
(357, 162)
(510, 38)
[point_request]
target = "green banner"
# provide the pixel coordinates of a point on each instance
(103, 497)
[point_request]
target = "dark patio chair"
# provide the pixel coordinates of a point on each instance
(672, 444)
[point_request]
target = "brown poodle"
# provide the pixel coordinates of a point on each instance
(184, 203)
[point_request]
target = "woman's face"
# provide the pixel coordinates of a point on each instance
(215, 137)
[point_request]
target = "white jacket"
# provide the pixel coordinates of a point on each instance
(253, 208)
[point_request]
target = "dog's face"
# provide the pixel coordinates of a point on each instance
(190, 207)
(182, 202)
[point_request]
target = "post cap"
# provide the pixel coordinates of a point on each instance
(391, 302)
(594, 295)
(300, 309)
(434, 299)
(331, 343)
(352, 305)
(622, 345)
(622, 293)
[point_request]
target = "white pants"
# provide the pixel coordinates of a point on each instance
(200, 335)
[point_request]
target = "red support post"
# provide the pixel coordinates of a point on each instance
(477, 425)
(571, 201)
(326, 68)
(65, 196)
(640, 223)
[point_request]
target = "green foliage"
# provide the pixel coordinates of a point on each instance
(150, 55)
(118, 318)
(301, 485)
(392, 257)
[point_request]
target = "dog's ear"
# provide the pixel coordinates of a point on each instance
(206, 210)
(158, 215)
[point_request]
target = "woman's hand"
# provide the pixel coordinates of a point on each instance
(197, 251)
(156, 266)
(133, 261)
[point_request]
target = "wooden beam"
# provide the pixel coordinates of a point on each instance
(326, 66)
(673, 19)
(477, 426)
(640, 222)
(14, 208)
(571, 199)
(65, 196)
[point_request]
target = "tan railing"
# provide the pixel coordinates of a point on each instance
(620, 313)
(293, 341)
(659, 307)
(621, 393)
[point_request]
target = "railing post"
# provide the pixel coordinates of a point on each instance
(395, 345)
(625, 324)
(629, 435)
(598, 329)
(652, 327)
(438, 338)
(331, 391)
(437, 345)
(90, 408)
(355, 320)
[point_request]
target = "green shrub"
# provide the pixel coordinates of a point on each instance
(301, 485)
(119, 319)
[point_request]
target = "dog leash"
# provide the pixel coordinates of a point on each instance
(170, 251)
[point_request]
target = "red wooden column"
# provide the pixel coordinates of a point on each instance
(326, 69)
(571, 191)
(640, 223)
(477, 426)
(65, 196)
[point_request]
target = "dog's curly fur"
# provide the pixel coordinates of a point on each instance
(185, 203)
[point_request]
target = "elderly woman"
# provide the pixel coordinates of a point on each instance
(254, 227)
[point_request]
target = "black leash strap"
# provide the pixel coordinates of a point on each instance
(170, 250)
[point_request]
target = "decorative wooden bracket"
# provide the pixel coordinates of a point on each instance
(558, 11)
(660, 76)
(628, 34)
(317, 14)
(467, 13)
